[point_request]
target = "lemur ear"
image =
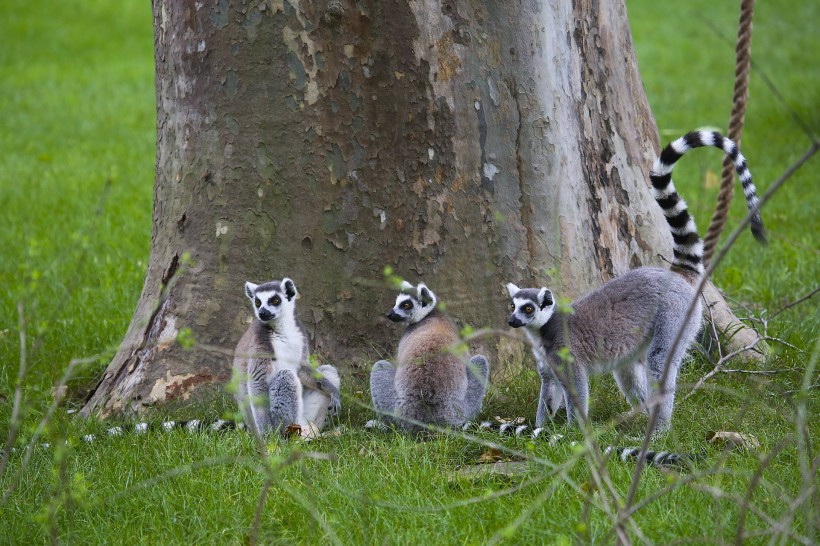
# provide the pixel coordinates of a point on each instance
(512, 289)
(290, 288)
(426, 296)
(545, 298)
(250, 288)
(407, 287)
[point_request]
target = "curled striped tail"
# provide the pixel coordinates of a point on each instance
(688, 247)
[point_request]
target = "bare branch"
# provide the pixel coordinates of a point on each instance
(796, 302)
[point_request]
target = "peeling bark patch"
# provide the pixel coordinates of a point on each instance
(168, 335)
(448, 61)
(176, 386)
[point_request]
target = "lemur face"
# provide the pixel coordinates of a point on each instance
(272, 299)
(531, 307)
(413, 304)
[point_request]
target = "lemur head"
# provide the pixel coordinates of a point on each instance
(531, 307)
(413, 304)
(272, 300)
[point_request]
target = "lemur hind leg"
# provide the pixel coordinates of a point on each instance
(285, 400)
(575, 382)
(383, 389)
(252, 395)
(478, 375)
(632, 381)
(665, 333)
(551, 398)
(318, 405)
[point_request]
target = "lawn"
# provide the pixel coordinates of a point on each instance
(77, 104)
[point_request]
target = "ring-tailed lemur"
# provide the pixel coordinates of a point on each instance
(430, 384)
(277, 385)
(630, 323)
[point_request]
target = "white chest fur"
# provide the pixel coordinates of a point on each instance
(288, 351)
(288, 346)
(537, 349)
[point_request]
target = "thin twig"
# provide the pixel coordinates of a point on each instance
(14, 425)
(796, 302)
(260, 505)
(756, 477)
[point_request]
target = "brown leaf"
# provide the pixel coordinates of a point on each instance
(492, 455)
(733, 440)
(293, 430)
(710, 180)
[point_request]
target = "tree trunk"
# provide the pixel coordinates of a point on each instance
(463, 143)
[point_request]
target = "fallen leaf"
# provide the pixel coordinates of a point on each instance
(492, 455)
(710, 180)
(734, 440)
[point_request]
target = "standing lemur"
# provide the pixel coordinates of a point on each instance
(277, 385)
(631, 321)
(429, 384)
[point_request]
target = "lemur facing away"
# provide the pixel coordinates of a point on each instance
(277, 385)
(629, 325)
(429, 384)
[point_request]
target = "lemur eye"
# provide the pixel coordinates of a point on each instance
(529, 309)
(512, 307)
(275, 300)
(258, 302)
(407, 305)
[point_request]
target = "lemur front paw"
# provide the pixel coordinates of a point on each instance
(335, 407)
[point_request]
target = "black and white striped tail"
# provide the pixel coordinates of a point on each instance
(194, 425)
(688, 247)
(655, 458)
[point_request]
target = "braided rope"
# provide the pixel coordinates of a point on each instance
(739, 99)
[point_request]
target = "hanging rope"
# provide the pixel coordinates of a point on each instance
(739, 99)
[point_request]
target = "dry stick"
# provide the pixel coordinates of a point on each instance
(740, 96)
(785, 523)
(271, 474)
(717, 369)
(14, 427)
(758, 475)
(260, 505)
(653, 418)
(803, 439)
(796, 302)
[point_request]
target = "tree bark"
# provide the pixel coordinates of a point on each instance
(463, 143)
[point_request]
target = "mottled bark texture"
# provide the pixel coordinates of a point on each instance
(463, 143)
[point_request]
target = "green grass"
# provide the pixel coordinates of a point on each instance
(77, 104)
